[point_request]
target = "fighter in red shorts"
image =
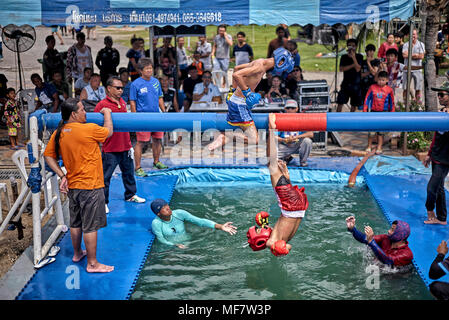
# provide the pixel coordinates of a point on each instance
(292, 200)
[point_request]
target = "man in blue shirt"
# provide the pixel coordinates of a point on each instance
(46, 93)
(145, 95)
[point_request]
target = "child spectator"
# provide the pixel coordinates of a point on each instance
(379, 98)
(242, 52)
(393, 68)
(12, 114)
(292, 46)
(83, 82)
(61, 86)
(370, 66)
(197, 63)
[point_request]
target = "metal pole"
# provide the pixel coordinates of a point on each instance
(151, 44)
(407, 89)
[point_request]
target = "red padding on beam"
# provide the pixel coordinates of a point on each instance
(301, 121)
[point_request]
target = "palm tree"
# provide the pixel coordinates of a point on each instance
(432, 10)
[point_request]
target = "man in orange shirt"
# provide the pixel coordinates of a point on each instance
(77, 142)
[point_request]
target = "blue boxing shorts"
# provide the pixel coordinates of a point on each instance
(238, 112)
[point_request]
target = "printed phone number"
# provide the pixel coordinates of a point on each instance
(187, 17)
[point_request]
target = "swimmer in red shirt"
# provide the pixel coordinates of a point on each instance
(391, 248)
(292, 200)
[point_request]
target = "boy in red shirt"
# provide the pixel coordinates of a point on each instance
(379, 98)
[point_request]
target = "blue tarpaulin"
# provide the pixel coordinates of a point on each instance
(200, 12)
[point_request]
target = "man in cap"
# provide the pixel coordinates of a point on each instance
(391, 248)
(291, 142)
(438, 155)
(169, 225)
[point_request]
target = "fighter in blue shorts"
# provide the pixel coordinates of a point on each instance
(242, 97)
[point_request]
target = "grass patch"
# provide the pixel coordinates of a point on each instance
(258, 38)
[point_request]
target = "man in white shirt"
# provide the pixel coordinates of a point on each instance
(206, 91)
(418, 51)
(205, 50)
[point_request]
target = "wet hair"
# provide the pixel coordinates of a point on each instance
(370, 47)
(382, 74)
(392, 51)
(67, 107)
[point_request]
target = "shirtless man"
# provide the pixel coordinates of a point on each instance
(292, 200)
(245, 79)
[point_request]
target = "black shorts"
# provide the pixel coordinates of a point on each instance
(350, 92)
(87, 209)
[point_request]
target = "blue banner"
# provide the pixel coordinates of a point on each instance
(199, 12)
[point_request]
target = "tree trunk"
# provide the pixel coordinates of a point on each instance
(432, 10)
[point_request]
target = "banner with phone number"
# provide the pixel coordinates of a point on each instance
(78, 13)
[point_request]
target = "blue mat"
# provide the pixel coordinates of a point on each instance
(403, 198)
(124, 243)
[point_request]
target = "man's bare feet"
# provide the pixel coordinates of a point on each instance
(77, 257)
(218, 142)
(98, 267)
(435, 221)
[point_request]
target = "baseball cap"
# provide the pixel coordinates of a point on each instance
(290, 103)
(444, 87)
(157, 205)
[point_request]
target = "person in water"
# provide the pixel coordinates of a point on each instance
(291, 199)
(170, 223)
(391, 248)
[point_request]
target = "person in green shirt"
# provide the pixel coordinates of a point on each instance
(169, 224)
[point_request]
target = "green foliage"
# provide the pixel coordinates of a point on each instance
(419, 141)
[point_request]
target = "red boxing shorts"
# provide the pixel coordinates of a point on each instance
(292, 201)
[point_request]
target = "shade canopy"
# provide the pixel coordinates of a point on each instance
(200, 12)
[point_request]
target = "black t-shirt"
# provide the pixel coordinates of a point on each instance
(189, 84)
(262, 86)
(108, 59)
(400, 56)
(351, 77)
(3, 85)
(368, 80)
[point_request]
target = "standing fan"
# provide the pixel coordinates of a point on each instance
(19, 39)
